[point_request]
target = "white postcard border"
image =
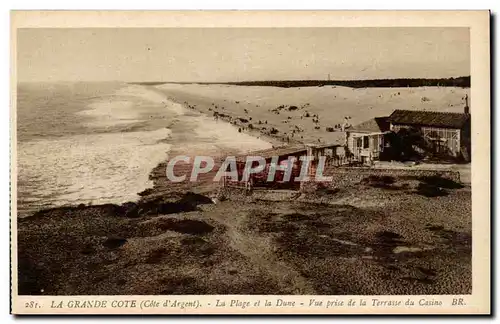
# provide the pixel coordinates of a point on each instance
(478, 22)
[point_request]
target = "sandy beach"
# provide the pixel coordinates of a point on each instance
(308, 114)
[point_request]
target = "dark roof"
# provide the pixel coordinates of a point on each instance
(374, 125)
(326, 145)
(429, 118)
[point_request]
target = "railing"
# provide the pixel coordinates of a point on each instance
(260, 179)
(227, 182)
(340, 160)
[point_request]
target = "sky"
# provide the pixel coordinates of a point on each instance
(240, 54)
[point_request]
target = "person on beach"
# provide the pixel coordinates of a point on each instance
(249, 184)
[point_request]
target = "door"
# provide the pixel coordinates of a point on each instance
(356, 144)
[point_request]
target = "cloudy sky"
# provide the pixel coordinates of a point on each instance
(239, 54)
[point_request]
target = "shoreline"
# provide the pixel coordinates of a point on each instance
(200, 105)
(157, 172)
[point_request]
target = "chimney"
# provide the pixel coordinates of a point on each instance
(466, 108)
(345, 124)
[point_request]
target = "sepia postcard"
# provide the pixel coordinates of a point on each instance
(250, 162)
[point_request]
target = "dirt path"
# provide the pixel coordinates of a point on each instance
(259, 250)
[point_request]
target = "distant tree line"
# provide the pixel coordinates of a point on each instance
(462, 82)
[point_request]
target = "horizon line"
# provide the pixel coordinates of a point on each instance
(246, 81)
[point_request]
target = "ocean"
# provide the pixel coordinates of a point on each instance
(97, 142)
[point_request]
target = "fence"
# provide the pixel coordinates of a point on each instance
(349, 176)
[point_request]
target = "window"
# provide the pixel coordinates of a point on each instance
(359, 142)
(366, 142)
(376, 143)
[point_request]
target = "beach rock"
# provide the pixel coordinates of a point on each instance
(186, 226)
(195, 199)
(146, 192)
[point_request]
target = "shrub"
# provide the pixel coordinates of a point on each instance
(441, 182)
(429, 190)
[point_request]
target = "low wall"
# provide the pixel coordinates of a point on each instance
(348, 176)
(274, 195)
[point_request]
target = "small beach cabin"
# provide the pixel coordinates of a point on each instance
(368, 140)
(442, 135)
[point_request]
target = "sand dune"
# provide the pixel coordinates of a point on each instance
(330, 103)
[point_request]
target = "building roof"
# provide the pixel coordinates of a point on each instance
(275, 151)
(374, 125)
(429, 118)
(326, 145)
